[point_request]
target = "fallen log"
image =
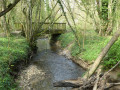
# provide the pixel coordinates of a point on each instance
(102, 54)
(97, 80)
(76, 83)
(68, 83)
(85, 85)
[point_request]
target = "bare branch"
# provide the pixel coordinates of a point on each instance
(9, 8)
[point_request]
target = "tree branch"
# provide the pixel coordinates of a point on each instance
(9, 8)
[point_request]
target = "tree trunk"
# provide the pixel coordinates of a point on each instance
(5, 24)
(102, 54)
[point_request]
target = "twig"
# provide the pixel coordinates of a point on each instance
(9, 8)
(97, 79)
(111, 85)
(110, 70)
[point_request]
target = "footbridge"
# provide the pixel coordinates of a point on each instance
(47, 28)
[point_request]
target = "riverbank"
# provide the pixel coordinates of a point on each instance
(86, 56)
(88, 53)
(47, 67)
(13, 50)
(67, 53)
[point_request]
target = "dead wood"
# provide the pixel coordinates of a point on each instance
(102, 54)
(97, 80)
(110, 85)
(68, 83)
(83, 84)
(88, 84)
(89, 81)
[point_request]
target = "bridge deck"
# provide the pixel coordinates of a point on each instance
(48, 28)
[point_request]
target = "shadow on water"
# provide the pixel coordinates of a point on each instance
(48, 67)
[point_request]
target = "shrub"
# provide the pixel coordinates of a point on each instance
(12, 49)
(113, 56)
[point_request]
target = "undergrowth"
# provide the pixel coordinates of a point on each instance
(92, 47)
(66, 39)
(12, 49)
(113, 56)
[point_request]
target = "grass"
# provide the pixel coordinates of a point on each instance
(12, 49)
(93, 45)
(66, 39)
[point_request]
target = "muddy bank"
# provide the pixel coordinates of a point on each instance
(67, 53)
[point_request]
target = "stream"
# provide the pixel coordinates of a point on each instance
(47, 67)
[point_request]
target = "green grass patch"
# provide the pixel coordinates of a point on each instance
(12, 49)
(93, 47)
(66, 39)
(93, 44)
(75, 50)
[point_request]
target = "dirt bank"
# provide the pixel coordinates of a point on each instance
(67, 53)
(114, 75)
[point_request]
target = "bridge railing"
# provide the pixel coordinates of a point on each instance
(48, 27)
(53, 26)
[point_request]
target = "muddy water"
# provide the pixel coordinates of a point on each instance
(48, 67)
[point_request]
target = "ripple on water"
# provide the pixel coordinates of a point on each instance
(46, 68)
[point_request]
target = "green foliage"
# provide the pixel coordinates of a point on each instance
(113, 56)
(12, 49)
(93, 47)
(104, 8)
(7, 82)
(66, 39)
(75, 49)
(118, 75)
